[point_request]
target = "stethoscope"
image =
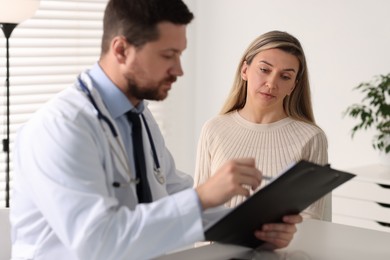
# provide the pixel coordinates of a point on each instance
(157, 169)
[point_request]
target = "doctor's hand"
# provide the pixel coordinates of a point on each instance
(279, 235)
(229, 181)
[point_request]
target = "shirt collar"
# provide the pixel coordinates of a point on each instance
(116, 102)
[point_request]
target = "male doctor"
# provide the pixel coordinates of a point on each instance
(79, 190)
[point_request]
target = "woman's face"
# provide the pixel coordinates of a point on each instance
(270, 78)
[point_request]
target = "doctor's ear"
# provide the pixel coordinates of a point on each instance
(120, 48)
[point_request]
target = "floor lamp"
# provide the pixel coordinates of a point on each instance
(12, 12)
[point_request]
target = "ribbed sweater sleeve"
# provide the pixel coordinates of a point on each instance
(274, 146)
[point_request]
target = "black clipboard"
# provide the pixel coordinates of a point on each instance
(290, 193)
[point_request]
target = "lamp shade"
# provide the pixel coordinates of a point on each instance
(16, 11)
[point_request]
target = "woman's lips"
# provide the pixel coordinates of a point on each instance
(267, 95)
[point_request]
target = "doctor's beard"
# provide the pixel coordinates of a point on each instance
(157, 91)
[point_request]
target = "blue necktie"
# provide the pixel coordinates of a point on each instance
(143, 190)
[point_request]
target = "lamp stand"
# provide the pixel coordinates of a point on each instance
(7, 30)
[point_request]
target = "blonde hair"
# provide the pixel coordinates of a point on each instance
(298, 104)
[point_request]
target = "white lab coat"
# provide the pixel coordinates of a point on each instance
(64, 205)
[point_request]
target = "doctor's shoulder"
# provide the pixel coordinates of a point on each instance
(66, 105)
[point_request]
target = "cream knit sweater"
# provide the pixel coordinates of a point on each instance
(275, 146)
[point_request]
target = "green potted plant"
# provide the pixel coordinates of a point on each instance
(374, 111)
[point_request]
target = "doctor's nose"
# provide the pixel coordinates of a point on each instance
(177, 69)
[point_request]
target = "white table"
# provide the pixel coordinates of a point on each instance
(315, 240)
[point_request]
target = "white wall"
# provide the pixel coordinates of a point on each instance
(346, 42)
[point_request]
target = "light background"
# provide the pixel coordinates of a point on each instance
(346, 42)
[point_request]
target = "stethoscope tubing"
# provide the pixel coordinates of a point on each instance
(105, 119)
(154, 152)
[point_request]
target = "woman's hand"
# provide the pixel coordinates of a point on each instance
(279, 235)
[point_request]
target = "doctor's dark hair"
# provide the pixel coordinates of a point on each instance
(296, 105)
(137, 20)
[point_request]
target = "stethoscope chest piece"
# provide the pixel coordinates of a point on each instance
(159, 176)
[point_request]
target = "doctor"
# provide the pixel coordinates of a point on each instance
(75, 180)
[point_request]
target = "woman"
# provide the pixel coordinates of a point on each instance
(268, 116)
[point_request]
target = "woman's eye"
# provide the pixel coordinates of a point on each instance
(285, 77)
(263, 69)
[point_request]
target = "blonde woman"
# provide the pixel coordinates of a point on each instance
(267, 116)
